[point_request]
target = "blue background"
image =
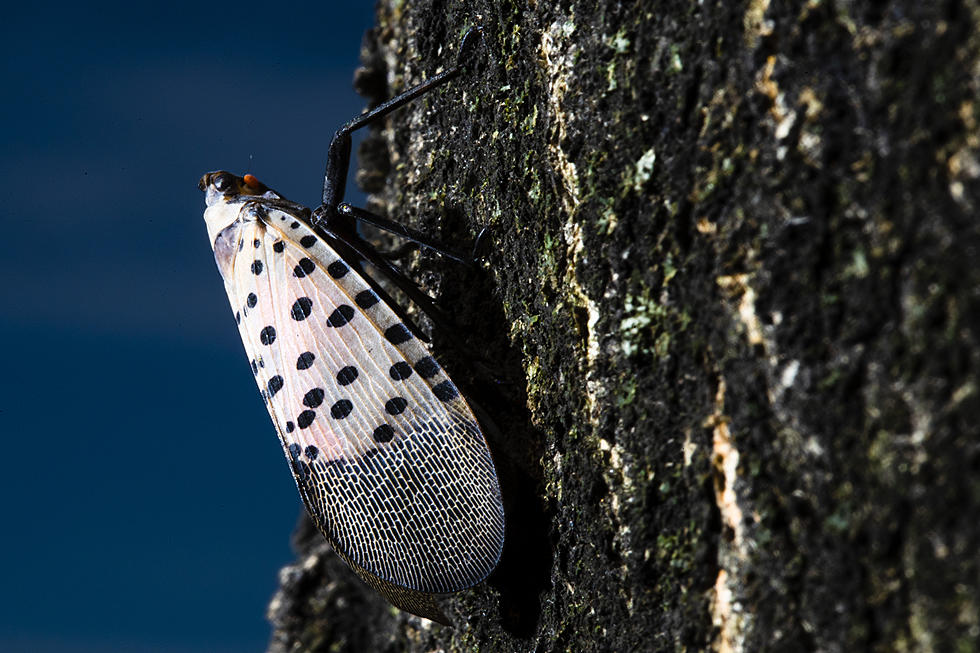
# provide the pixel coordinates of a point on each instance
(146, 504)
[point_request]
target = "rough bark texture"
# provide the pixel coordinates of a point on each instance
(727, 325)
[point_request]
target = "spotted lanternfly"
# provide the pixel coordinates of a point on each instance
(387, 455)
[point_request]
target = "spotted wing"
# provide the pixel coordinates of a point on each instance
(388, 457)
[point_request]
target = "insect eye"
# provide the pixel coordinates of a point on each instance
(223, 182)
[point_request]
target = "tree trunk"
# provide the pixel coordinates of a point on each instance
(727, 323)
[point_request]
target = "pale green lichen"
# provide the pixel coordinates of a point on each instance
(644, 169)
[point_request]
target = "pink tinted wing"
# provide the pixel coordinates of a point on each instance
(387, 455)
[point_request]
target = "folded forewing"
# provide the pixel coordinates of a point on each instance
(387, 455)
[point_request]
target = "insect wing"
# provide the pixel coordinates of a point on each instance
(387, 456)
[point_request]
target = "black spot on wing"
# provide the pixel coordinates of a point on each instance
(267, 335)
(395, 405)
(383, 433)
(337, 269)
(305, 360)
(305, 418)
(366, 299)
(347, 375)
(313, 398)
(398, 333)
(427, 367)
(341, 315)
(445, 391)
(400, 371)
(301, 309)
(305, 267)
(341, 409)
(275, 385)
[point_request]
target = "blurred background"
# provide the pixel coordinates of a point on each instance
(146, 504)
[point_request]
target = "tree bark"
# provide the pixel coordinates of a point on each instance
(727, 323)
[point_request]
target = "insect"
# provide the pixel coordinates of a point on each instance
(387, 455)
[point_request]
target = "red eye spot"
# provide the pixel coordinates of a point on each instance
(250, 180)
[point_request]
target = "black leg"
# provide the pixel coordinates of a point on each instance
(399, 230)
(338, 155)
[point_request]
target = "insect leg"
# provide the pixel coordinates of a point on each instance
(466, 50)
(338, 154)
(400, 230)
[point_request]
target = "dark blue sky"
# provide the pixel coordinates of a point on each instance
(146, 503)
